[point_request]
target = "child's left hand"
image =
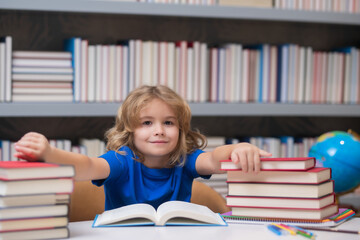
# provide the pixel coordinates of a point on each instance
(248, 156)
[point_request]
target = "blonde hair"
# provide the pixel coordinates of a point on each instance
(127, 119)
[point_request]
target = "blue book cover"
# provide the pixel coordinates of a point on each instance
(73, 45)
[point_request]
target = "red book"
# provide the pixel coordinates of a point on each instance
(281, 189)
(17, 170)
(300, 163)
(278, 202)
(311, 214)
(311, 176)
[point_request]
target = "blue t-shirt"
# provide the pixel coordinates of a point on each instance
(132, 182)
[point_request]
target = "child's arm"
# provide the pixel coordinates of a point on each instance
(35, 147)
(244, 154)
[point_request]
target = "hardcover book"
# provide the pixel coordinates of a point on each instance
(299, 163)
(19, 170)
(280, 202)
(342, 215)
(37, 186)
(313, 175)
(168, 213)
(281, 189)
(315, 214)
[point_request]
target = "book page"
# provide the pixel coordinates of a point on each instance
(134, 211)
(178, 209)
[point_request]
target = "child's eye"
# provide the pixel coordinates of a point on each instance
(146, 123)
(169, 123)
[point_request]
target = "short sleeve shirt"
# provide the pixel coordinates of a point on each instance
(131, 182)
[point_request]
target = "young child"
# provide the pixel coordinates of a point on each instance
(153, 155)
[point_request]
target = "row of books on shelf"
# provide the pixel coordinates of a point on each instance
(288, 73)
(34, 200)
(286, 190)
(279, 147)
(346, 6)
(90, 147)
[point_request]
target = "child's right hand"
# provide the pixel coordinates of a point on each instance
(32, 147)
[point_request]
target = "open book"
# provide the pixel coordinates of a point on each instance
(168, 213)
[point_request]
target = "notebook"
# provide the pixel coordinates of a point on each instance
(335, 220)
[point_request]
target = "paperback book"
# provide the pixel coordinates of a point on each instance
(169, 213)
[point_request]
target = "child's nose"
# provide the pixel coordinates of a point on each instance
(159, 129)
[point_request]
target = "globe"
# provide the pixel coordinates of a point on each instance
(339, 151)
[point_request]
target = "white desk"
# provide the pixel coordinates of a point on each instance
(83, 230)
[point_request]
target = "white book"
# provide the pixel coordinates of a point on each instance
(42, 54)
(118, 73)
(8, 53)
(245, 76)
(2, 71)
(104, 74)
(42, 98)
(43, 77)
(98, 72)
(228, 73)
(171, 82)
(168, 213)
(44, 84)
(214, 75)
(155, 63)
(190, 80)
(331, 77)
(5, 150)
(284, 73)
(84, 71)
(91, 73)
(131, 64)
(237, 73)
(111, 72)
(125, 72)
(196, 71)
(138, 63)
(25, 90)
(25, 62)
(221, 81)
(301, 76)
(177, 69)
(42, 70)
(265, 81)
(204, 69)
(273, 74)
(355, 76)
(146, 64)
(347, 79)
(308, 74)
(291, 73)
(163, 63)
(183, 69)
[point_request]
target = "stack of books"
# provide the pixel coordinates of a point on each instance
(286, 188)
(34, 198)
(42, 76)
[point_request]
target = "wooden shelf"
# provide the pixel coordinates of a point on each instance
(198, 109)
(182, 10)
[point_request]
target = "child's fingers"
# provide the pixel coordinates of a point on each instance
(257, 163)
(264, 153)
(244, 161)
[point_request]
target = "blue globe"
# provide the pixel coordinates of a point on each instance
(339, 151)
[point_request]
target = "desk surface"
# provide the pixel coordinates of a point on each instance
(83, 230)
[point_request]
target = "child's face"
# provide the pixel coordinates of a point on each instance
(157, 134)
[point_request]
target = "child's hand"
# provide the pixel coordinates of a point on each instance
(248, 156)
(32, 147)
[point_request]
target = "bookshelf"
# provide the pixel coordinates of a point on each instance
(43, 25)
